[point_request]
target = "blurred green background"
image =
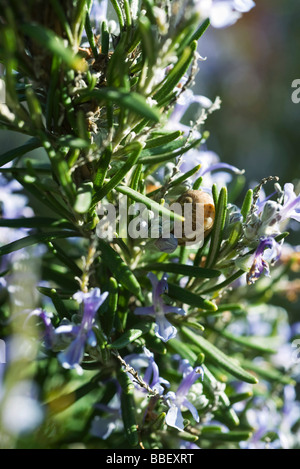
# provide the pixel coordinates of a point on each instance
(251, 66)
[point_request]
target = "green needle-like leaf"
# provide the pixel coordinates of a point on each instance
(189, 298)
(36, 238)
(10, 155)
(183, 269)
(217, 356)
(130, 336)
(54, 44)
(119, 268)
(151, 204)
(247, 203)
(124, 99)
(118, 177)
(217, 231)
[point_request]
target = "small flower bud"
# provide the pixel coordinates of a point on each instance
(167, 245)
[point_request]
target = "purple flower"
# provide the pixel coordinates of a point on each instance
(178, 400)
(260, 264)
(49, 330)
(167, 244)
(102, 427)
(291, 204)
(210, 162)
(82, 334)
(183, 103)
(163, 329)
(151, 375)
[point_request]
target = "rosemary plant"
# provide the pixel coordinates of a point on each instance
(118, 333)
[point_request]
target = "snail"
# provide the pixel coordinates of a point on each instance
(195, 197)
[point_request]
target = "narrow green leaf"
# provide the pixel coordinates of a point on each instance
(217, 231)
(131, 335)
(151, 204)
(64, 258)
(59, 10)
(118, 10)
(35, 222)
(124, 99)
(56, 300)
(32, 186)
(119, 268)
(64, 401)
(219, 357)
(128, 415)
(161, 140)
(34, 108)
(268, 372)
(183, 349)
(185, 176)
(10, 155)
(194, 35)
(186, 436)
(117, 178)
(103, 167)
(255, 343)
(177, 72)
(34, 239)
(197, 183)
(164, 149)
(224, 284)
(160, 158)
(210, 384)
(83, 197)
(109, 317)
(136, 177)
(247, 203)
(240, 397)
(104, 38)
(190, 298)
(159, 422)
(182, 269)
(90, 35)
(147, 39)
(73, 142)
(201, 30)
(54, 44)
(226, 436)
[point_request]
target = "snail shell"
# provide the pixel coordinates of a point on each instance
(195, 197)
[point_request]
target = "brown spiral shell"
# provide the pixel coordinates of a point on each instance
(198, 197)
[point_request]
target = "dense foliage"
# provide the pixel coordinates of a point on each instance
(144, 340)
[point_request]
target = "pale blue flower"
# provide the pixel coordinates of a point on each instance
(49, 335)
(212, 170)
(103, 426)
(145, 360)
(82, 334)
(178, 401)
(291, 204)
(163, 329)
(167, 245)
